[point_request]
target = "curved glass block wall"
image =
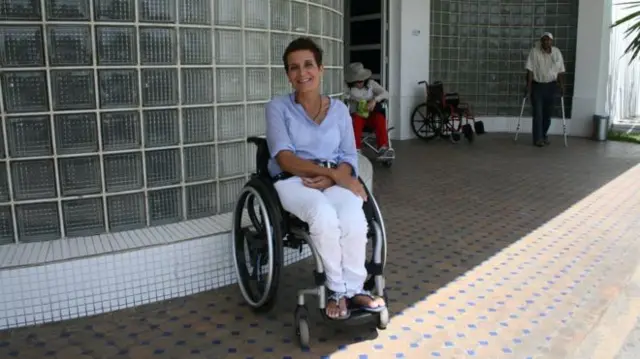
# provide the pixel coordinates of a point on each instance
(478, 48)
(121, 114)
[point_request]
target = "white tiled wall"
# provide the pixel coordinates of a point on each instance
(93, 285)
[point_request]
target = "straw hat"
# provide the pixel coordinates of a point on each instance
(356, 72)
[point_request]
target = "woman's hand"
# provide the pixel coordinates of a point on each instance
(351, 183)
(319, 182)
(371, 105)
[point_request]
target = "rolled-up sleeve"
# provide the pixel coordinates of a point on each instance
(348, 153)
(529, 64)
(560, 62)
(277, 135)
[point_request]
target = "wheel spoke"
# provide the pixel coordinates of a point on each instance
(426, 122)
(257, 223)
(260, 284)
(257, 244)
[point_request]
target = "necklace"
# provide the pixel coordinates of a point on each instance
(318, 112)
(315, 118)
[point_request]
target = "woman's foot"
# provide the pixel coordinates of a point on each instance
(337, 307)
(368, 302)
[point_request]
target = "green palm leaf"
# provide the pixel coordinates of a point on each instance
(633, 31)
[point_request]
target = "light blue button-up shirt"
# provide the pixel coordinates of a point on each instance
(289, 128)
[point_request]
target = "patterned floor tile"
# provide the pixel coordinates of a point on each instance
(496, 250)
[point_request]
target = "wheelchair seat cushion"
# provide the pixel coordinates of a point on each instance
(368, 129)
(452, 99)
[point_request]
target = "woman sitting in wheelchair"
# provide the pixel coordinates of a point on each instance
(314, 165)
(364, 96)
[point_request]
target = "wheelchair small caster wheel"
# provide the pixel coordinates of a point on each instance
(383, 319)
(302, 327)
(302, 331)
(387, 164)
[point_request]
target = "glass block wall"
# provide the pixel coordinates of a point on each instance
(121, 114)
(479, 48)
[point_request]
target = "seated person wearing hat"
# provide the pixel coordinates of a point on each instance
(363, 97)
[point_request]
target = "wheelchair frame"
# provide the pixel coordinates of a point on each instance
(443, 110)
(283, 230)
(369, 137)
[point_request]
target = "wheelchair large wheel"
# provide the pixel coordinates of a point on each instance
(425, 123)
(257, 244)
(378, 232)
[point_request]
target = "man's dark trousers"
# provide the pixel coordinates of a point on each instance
(542, 100)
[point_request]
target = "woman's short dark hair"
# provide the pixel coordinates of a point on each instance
(302, 44)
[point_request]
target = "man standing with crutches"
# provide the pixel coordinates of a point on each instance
(545, 76)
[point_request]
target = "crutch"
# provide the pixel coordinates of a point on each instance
(564, 122)
(524, 101)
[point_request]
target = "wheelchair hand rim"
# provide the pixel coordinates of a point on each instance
(243, 198)
(380, 221)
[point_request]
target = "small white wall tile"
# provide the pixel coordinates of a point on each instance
(98, 284)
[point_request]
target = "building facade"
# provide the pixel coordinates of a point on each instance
(122, 114)
(478, 48)
(123, 124)
(482, 54)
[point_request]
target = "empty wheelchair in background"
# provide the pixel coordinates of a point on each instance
(261, 230)
(443, 115)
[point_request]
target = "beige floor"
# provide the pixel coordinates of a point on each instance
(495, 250)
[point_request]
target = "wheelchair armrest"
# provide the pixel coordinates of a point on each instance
(262, 155)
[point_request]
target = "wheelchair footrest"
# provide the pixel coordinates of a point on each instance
(357, 318)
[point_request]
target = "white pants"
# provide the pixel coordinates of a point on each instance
(337, 227)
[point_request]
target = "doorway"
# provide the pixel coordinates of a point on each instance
(365, 36)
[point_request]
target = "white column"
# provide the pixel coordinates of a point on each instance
(592, 64)
(409, 24)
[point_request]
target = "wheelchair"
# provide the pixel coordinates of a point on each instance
(369, 137)
(260, 236)
(444, 115)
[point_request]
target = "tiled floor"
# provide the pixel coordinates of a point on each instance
(496, 250)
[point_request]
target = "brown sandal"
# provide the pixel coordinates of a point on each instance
(335, 298)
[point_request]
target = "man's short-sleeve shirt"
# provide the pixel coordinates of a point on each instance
(545, 66)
